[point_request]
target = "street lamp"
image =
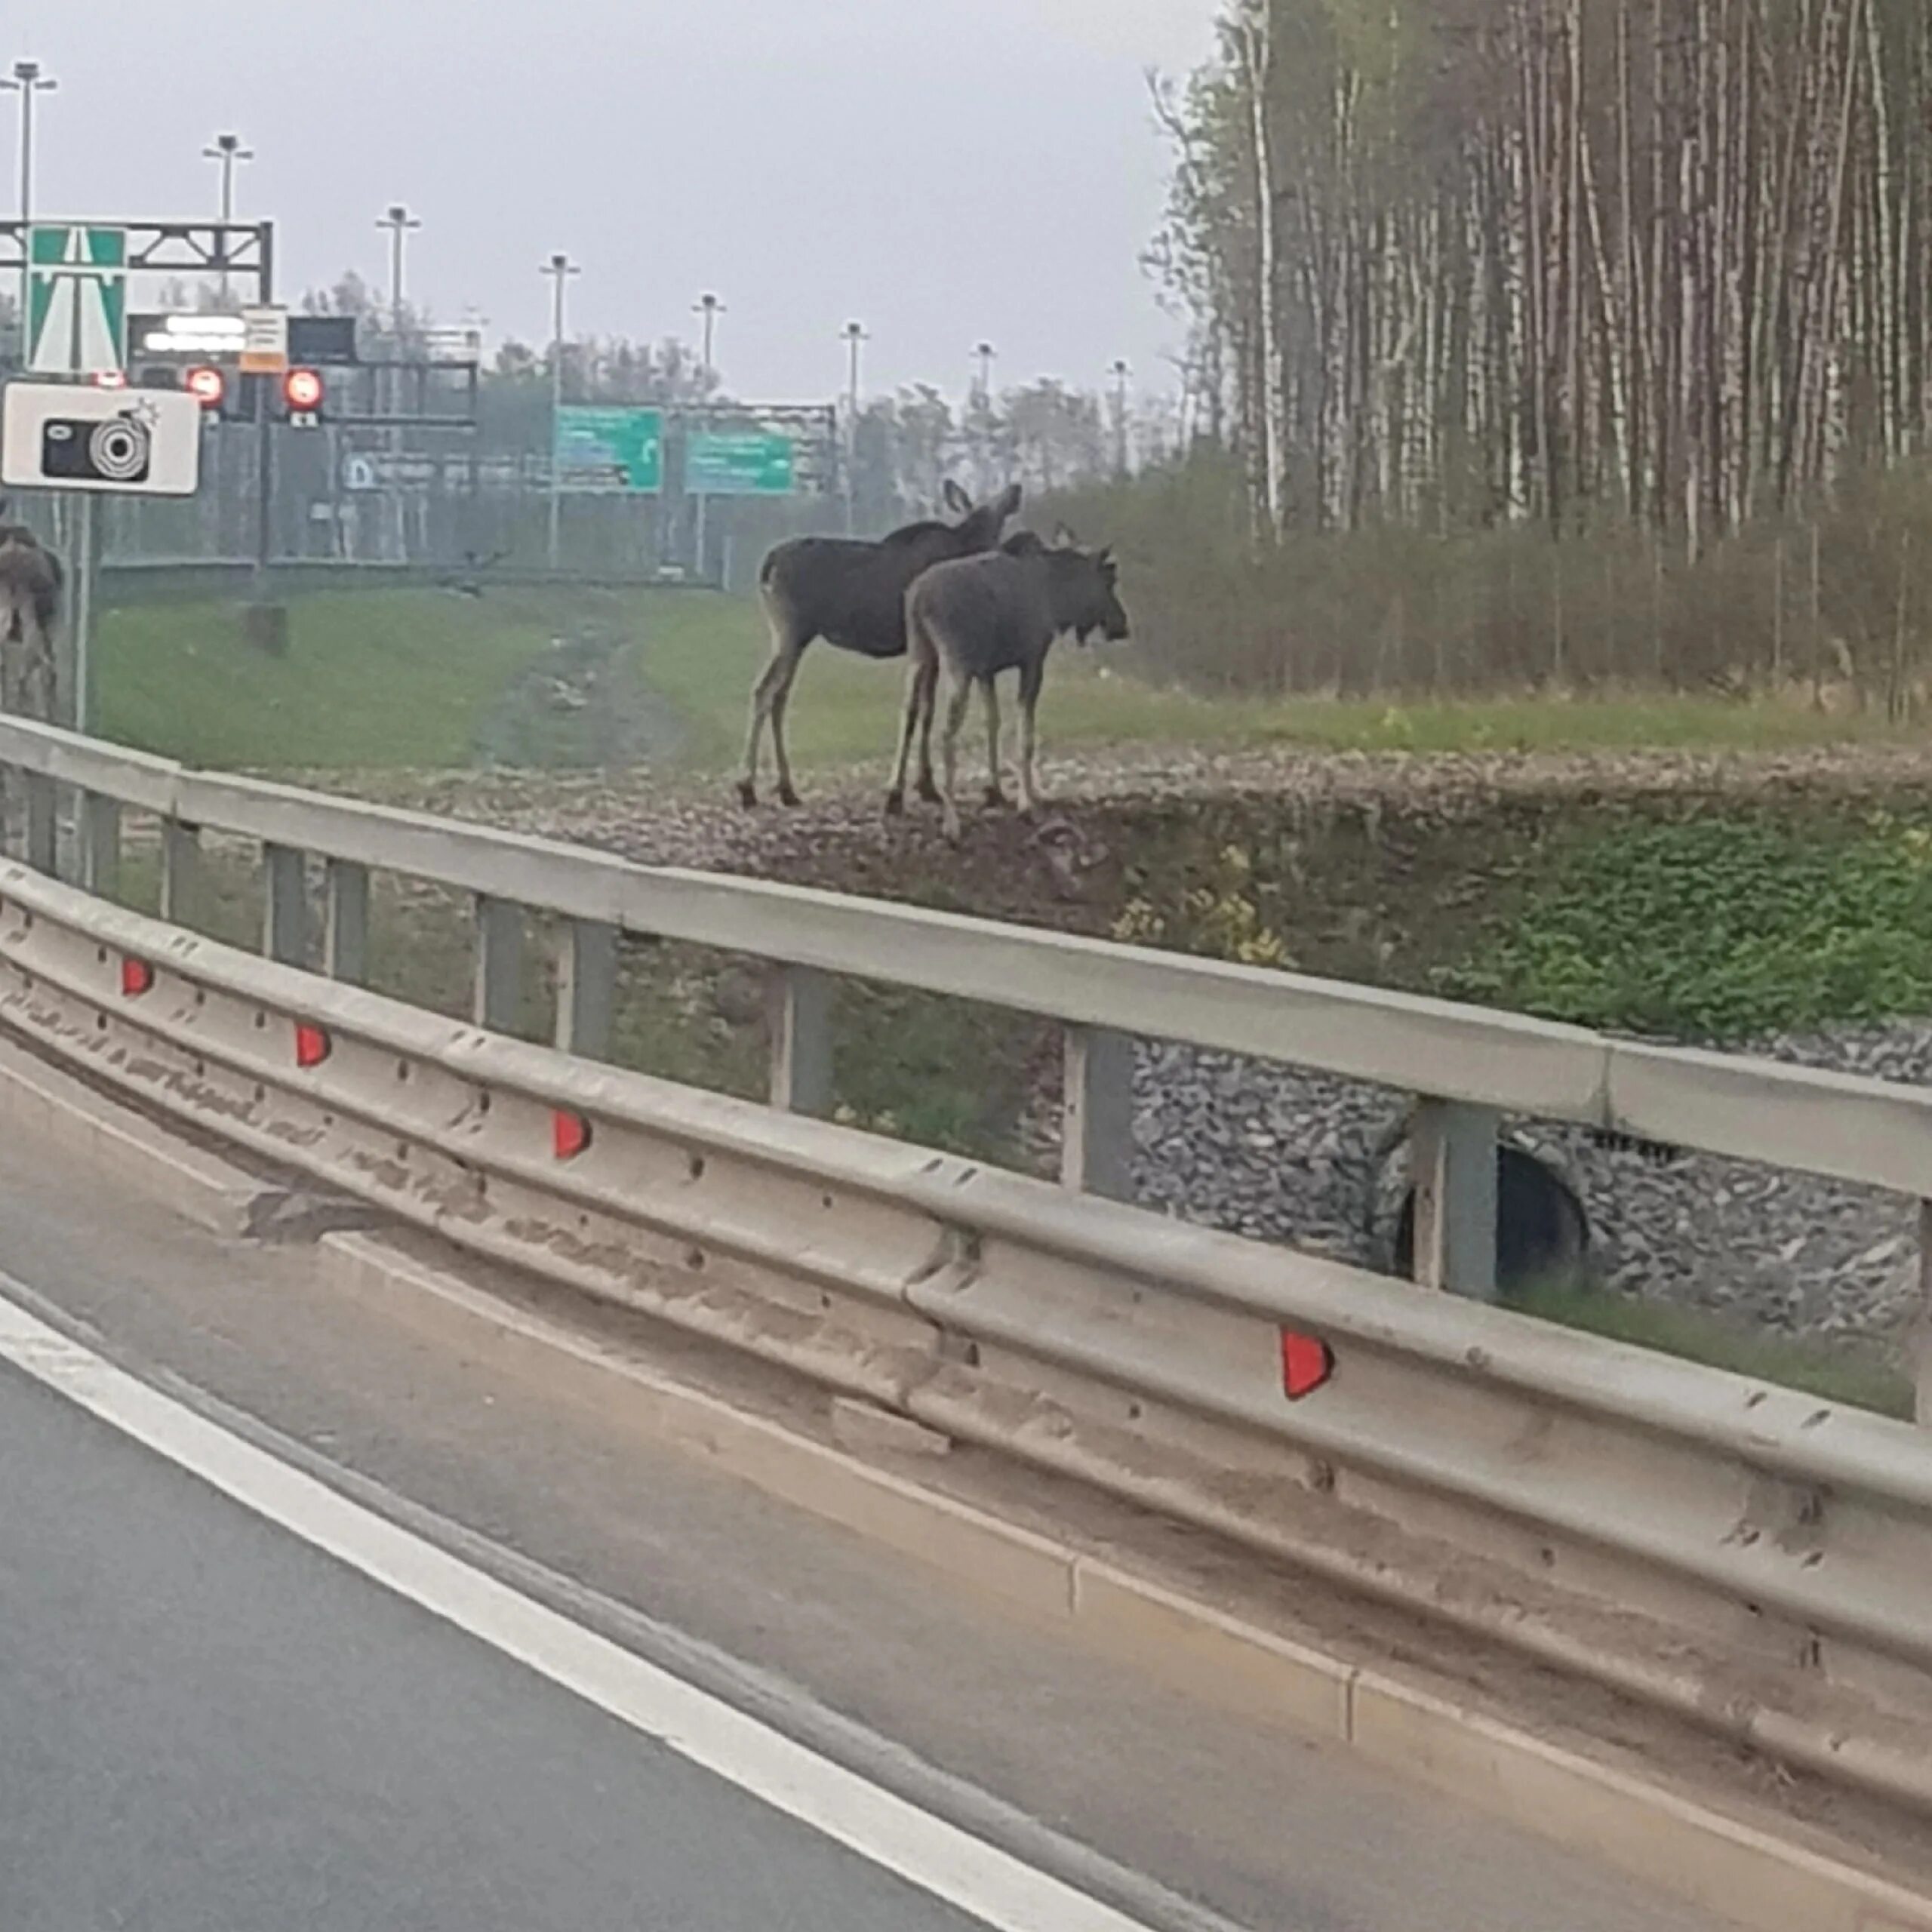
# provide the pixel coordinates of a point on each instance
(26, 81)
(986, 355)
(559, 268)
(400, 222)
(710, 308)
(856, 338)
(228, 152)
(1122, 374)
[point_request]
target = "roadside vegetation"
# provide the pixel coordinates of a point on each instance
(1694, 915)
(426, 680)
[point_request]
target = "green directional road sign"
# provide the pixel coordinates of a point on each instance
(77, 301)
(740, 462)
(607, 451)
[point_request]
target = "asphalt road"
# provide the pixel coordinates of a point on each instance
(206, 1725)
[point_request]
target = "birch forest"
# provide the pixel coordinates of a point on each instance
(1602, 329)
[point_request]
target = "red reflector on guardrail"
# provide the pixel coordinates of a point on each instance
(136, 978)
(312, 1045)
(570, 1134)
(1307, 1363)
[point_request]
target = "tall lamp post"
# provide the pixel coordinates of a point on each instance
(709, 308)
(26, 80)
(559, 268)
(400, 223)
(856, 338)
(228, 151)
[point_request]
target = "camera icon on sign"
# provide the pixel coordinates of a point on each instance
(119, 449)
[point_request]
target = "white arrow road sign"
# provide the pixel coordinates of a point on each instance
(77, 301)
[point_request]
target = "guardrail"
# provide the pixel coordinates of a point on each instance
(1752, 1557)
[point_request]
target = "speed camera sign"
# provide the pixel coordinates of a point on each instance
(117, 441)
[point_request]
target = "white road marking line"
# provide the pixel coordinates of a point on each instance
(938, 1858)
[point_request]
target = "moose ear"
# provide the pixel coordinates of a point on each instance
(1014, 497)
(956, 498)
(1105, 559)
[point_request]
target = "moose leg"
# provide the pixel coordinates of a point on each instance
(919, 684)
(928, 788)
(768, 703)
(995, 790)
(956, 701)
(760, 711)
(1031, 679)
(787, 792)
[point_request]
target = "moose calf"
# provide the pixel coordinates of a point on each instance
(974, 618)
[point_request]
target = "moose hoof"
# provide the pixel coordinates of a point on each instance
(997, 799)
(895, 805)
(748, 794)
(787, 796)
(929, 792)
(955, 832)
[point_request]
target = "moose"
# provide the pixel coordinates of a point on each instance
(852, 594)
(32, 585)
(971, 620)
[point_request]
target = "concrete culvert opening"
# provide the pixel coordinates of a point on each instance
(1542, 1235)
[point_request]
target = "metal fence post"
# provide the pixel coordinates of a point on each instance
(801, 1029)
(285, 905)
(497, 999)
(1097, 1122)
(1924, 1365)
(100, 829)
(181, 873)
(1454, 1159)
(345, 921)
(587, 988)
(43, 823)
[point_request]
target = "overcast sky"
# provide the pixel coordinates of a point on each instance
(944, 171)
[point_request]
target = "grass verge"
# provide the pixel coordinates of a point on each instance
(413, 680)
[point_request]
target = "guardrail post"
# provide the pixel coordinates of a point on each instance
(1453, 1162)
(100, 829)
(68, 858)
(285, 906)
(181, 873)
(587, 988)
(800, 1024)
(345, 921)
(497, 1000)
(1097, 1122)
(1925, 1362)
(43, 823)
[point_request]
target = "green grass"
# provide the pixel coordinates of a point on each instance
(379, 679)
(408, 680)
(702, 655)
(1718, 925)
(1861, 1375)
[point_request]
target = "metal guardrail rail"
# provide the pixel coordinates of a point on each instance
(1752, 1557)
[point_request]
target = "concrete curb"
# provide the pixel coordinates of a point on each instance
(43, 1100)
(1719, 1863)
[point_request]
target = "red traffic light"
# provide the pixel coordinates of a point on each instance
(302, 389)
(208, 386)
